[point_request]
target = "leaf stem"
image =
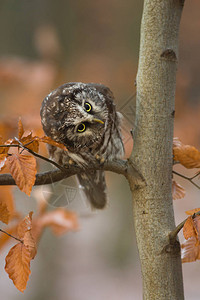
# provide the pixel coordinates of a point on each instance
(188, 178)
(11, 236)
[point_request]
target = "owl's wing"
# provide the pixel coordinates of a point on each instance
(94, 187)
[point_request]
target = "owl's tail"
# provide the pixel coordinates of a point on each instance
(94, 187)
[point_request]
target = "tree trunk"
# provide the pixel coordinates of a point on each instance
(152, 151)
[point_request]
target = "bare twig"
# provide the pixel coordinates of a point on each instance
(198, 173)
(11, 236)
(188, 178)
(40, 156)
(9, 146)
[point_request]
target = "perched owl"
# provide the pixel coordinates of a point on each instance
(83, 117)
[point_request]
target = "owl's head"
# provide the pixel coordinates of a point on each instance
(77, 114)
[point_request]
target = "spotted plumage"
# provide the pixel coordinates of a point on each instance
(83, 117)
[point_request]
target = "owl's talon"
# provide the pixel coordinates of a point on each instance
(71, 162)
(98, 157)
(102, 160)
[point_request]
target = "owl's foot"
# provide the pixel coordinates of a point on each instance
(100, 159)
(71, 162)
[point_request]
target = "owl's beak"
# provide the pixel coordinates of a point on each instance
(98, 120)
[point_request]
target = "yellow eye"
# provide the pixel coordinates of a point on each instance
(88, 107)
(81, 127)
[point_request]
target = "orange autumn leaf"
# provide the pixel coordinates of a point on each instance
(6, 204)
(60, 221)
(190, 251)
(20, 129)
(23, 170)
(4, 213)
(3, 159)
(178, 192)
(192, 211)
(30, 244)
(48, 140)
(4, 238)
(191, 228)
(24, 226)
(19, 257)
(4, 150)
(18, 265)
(177, 142)
(187, 155)
(24, 232)
(30, 142)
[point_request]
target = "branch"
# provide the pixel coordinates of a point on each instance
(123, 167)
(173, 234)
(118, 166)
(188, 178)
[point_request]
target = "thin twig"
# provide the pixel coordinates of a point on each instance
(11, 236)
(8, 146)
(20, 145)
(198, 173)
(187, 178)
(63, 169)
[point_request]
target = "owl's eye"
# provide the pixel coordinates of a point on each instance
(88, 106)
(81, 127)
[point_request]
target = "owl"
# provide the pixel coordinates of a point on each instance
(83, 117)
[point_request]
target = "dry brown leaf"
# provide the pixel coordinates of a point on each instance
(23, 170)
(24, 226)
(192, 211)
(3, 159)
(4, 150)
(6, 204)
(4, 213)
(30, 142)
(20, 129)
(30, 243)
(4, 238)
(18, 265)
(19, 257)
(60, 221)
(190, 251)
(191, 228)
(176, 142)
(178, 192)
(187, 155)
(24, 232)
(48, 140)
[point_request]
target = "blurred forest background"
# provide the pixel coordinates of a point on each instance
(43, 45)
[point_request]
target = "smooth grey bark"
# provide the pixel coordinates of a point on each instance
(152, 151)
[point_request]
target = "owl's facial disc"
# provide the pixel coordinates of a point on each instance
(83, 126)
